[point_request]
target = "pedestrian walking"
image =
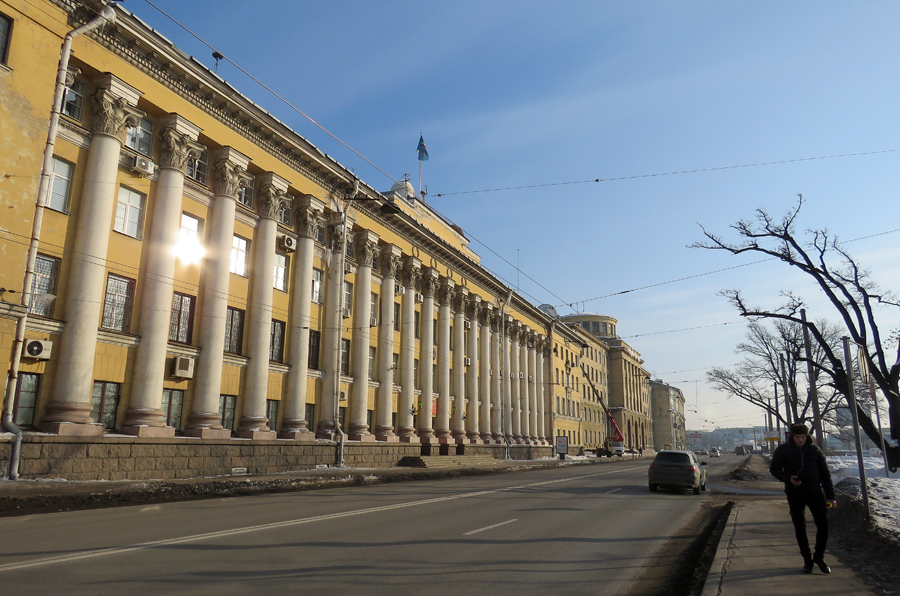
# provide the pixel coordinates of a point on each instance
(800, 464)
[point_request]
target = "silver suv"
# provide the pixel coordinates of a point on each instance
(677, 469)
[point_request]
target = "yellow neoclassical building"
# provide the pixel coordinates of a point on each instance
(188, 283)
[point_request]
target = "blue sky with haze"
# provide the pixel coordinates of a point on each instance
(531, 93)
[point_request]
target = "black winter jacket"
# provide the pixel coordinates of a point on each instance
(807, 463)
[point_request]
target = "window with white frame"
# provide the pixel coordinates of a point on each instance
(280, 273)
(140, 137)
(245, 193)
(43, 285)
(73, 103)
(118, 303)
(240, 250)
(372, 363)
(345, 356)
(190, 246)
(348, 297)
(60, 185)
(129, 212)
(284, 215)
(374, 305)
(317, 277)
(198, 169)
(321, 234)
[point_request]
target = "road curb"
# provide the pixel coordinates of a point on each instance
(719, 568)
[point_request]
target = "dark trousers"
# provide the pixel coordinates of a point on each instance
(798, 501)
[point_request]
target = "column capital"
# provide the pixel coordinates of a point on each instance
(366, 243)
(229, 171)
(412, 272)
(473, 307)
(486, 313)
(430, 281)
(446, 291)
(513, 327)
(309, 219)
(390, 259)
(177, 149)
(271, 195)
(460, 299)
(112, 114)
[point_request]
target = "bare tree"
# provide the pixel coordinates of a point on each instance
(849, 288)
(756, 377)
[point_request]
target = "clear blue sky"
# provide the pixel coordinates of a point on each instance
(521, 93)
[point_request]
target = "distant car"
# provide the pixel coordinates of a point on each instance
(714, 453)
(678, 470)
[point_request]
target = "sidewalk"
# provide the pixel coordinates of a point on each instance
(758, 555)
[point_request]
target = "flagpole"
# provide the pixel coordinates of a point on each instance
(420, 178)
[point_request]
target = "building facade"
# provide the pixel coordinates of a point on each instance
(667, 404)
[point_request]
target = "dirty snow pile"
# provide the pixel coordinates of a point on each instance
(883, 490)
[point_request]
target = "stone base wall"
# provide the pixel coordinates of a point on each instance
(133, 458)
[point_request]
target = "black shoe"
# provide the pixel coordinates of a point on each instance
(822, 565)
(807, 565)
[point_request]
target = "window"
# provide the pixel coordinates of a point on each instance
(345, 356)
(418, 324)
(105, 403)
(140, 137)
(73, 103)
(416, 382)
(280, 275)
(317, 277)
(396, 316)
(311, 414)
(284, 215)
(197, 169)
(117, 304)
(245, 193)
(372, 363)
(226, 410)
(5, 31)
(395, 366)
(26, 399)
(182, 322)
(234, 330)
(351, 248)
(348, 297)
(190, 246)
(60, 185)
(373, 305)
(129, 212)
(320, 234)
(596, 326)
(43, 287)
(240, 249)
(172, 403)
(272, 412)
(315, 338)
(276, 341)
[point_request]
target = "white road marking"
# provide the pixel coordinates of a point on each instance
(489, 527)
(90, 554)
(613, 490)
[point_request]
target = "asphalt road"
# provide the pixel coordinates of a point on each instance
(574, 530)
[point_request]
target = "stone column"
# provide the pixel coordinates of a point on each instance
(485, 372)
(253, 424)
(443, 384)
(506, 354)
(515, 395)
(473, 370)
(542, 392)
(144, 416)
(406, 404)
(430, 280)
(310, 218)
(229, 174)
(497, 363)
(458, 380)
(332, 330)
(532, 390)
(390, 264)
(69, 410)
(357, 428)
(524, 385)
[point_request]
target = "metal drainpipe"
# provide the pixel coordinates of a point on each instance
(339, 455)
(107, 14)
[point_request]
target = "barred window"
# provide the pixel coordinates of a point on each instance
(43, 286)
(73, 103)
(26, 398)
(118, 303)
(226, 410)
(172, 404)
(182, 322)
(105, 403)
(234, 330)
(276, 341)
(315, 338)
(60, 185)
(272, 413)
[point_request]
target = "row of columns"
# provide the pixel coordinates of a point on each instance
(509, 391)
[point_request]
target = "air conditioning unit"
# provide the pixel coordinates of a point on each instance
(521, 375)
(143, 165)
(346, 312)
(420, 298)
(490, 373)
(288, 244)
(183, 367)
(400, 290)
(343, 396)
(467, 324)
(373, 321)
(37, 348)
(530, 378)
(467, 361)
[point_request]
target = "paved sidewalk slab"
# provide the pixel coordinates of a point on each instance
(758, 556)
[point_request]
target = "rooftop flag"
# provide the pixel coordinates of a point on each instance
(423, 152)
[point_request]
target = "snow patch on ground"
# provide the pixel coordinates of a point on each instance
(883, 489)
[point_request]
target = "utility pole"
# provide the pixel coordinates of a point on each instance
(811, 377)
